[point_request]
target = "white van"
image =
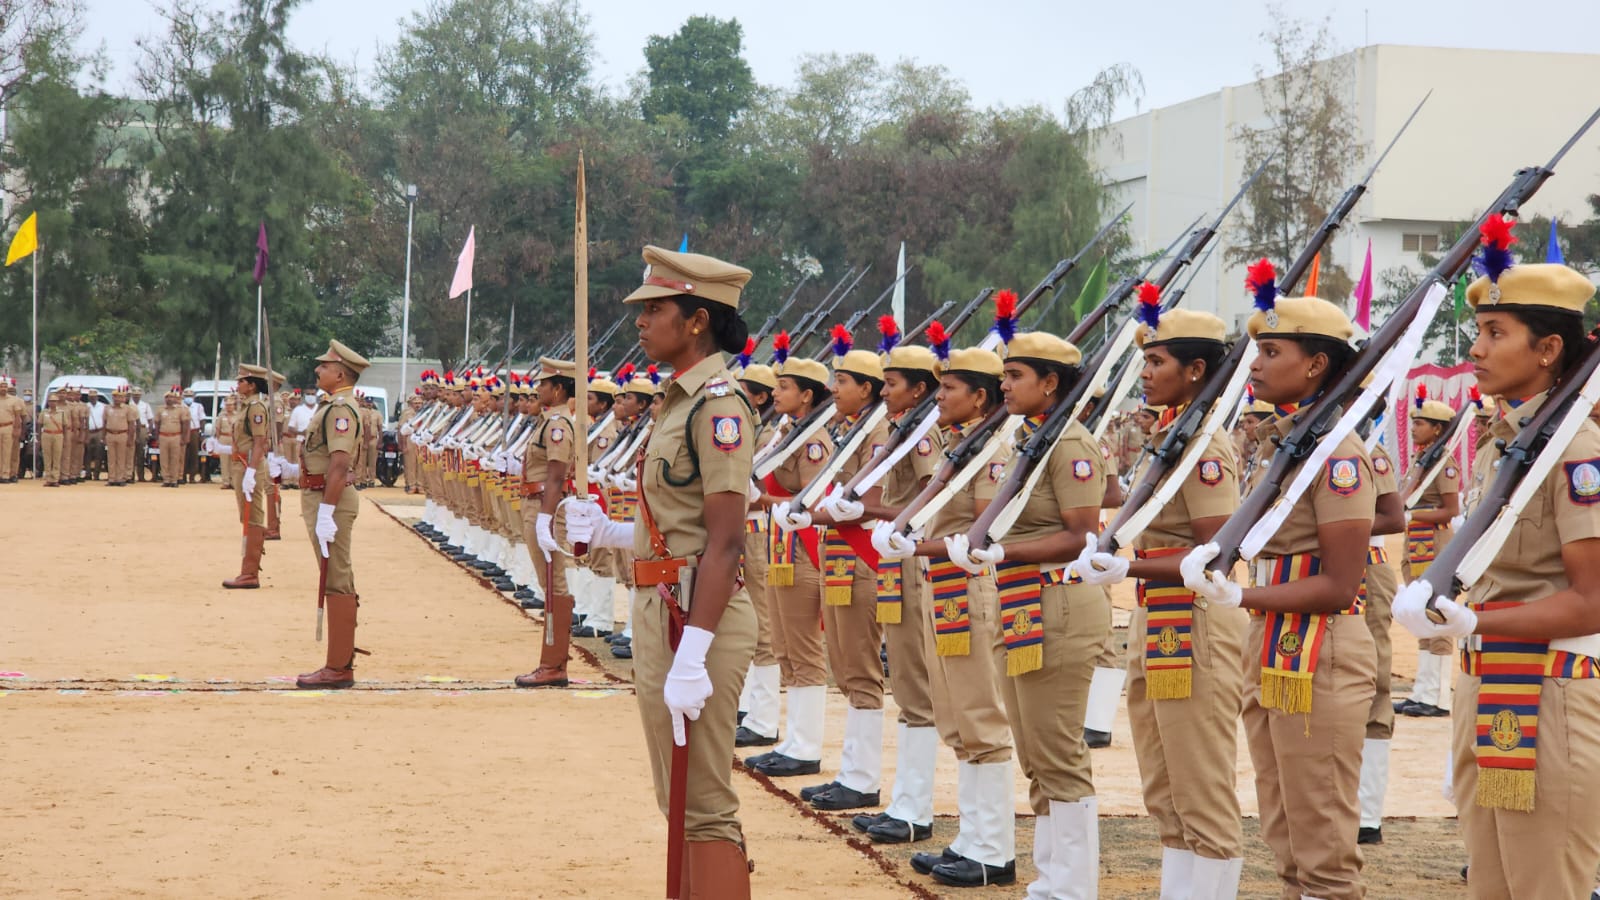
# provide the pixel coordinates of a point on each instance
(100, 384)
(380, 399)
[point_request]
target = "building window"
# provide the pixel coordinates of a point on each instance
(1419, 243)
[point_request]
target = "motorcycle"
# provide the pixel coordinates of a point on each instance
(390, 461)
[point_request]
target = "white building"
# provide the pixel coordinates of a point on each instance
(1491, 113)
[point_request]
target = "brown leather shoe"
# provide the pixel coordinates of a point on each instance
(716, 870)
(544, 676)
(327, 679)
(243, 582)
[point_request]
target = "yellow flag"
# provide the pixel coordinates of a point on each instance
(26, 240)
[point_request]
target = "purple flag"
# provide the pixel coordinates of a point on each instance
(1363, 293)
(261, 253)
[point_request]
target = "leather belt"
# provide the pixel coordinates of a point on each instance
(532, 489)
(313, 482)
(123, 431)
(651, 572)
(171, 433)
(48, 431)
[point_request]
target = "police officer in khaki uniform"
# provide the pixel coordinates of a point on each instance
(692, 511)
(122, 427)
(1377, 590)
(594, 586)
(760, 703)
(222, 426)
(172, 430)
(1311, 662)
(329, 507)
(52, 437)
(250, 440)
(546, 466)
(13, 426)
(1427, 534)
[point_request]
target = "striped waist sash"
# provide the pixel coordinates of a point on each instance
(1293, 640)
(1168, 632)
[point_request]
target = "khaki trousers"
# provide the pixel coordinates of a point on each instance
(291, 455)
(118, 454)
(10, 446)
(1554, 850)
(171, 458)
(1308, 767)
(1187, 749)
(1046, 706)
(967, 708)
(755, 581)
(341, 571)
(795, 614)
(854, 638)
(412, 468)
(255, 505)
(1381, 586)
(50, 446)
(712, 812)
(911, 647)
(530, 537)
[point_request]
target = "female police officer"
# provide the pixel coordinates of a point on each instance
(687, 543)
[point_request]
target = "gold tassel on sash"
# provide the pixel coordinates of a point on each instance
(839, 571)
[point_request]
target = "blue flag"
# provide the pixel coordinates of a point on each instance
(1552, 254)
(683, 246)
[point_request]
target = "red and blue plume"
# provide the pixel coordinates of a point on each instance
(480, 372)
(842, 340)
(1005, 315)
(890, 329)
(743, 358)
(593, 372)
(626, 372)
(1262, 281)
(1149, 309)
(655, 376)
(1422, 396)
(1495, 234)
(939, 340)
(1475, 397)
(780, 348)
(1250, 392)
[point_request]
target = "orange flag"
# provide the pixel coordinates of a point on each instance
(1311, 280)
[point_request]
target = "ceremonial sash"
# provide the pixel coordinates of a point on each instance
(1511, 673)
(780, 565)
(891, 587)
(1420, 546)
(1168, 633)
(1293, 640)
(1021, 586)
(952, 625)
(839, 569)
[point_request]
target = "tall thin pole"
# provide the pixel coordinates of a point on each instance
(258, 323)
(216, 376)
(405, 306)
(38, 394)
(466, 339)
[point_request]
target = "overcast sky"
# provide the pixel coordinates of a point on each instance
(1012, 52)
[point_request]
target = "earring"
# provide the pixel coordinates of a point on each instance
(1194, 378)
(1544, 362)
(697, 331)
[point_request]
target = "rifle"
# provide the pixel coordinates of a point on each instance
(772, 320)
(798, 338)
(808, 317)
(1104, 230)
(856, 317)
(922, 326)
(1020, 478)
(1124, 289)
(1431, 459)
(1315, 422)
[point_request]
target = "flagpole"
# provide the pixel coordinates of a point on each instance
(258, 323)
(38, 395)
(405, 306)
(466, 339)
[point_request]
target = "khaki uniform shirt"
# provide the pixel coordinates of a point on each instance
(904, 481)
(11, 411)
(1345, 490)
(1383, 472)
(1448, 481)
(724, 440)
(1528, 566)
(121, 421)
(171, 420)
(1210, 489)
(962, 510)
(250, 423)
(1074, 477)
(335, 426)
(603, 439)
(805, 463)
(551, 442)
(52, 421)
(864, 451)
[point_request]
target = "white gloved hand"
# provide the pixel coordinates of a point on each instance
(891, 544)
(547, 539)
(1411, 610)
(248, 482)
(840, 509)
(1094, 567)
(1457, 521)
(1216, 587)
(515, 465)
(407, 430)
(752, 495)
(626, 483)
(992, 554)
(327, 529)
(688, 684)
(959, 551)
(596, 475)
(582, 518)
(274, 465)
(790, 521)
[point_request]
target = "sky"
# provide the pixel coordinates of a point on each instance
(1007, 52)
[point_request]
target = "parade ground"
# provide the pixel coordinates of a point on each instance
(154, 745)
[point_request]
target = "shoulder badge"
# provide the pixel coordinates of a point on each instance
(1344, 475)
(814, 452)
(727, 433)
(602, 442)
(1380, 464)
(556, 434)
(718, 387)
(341, 424)
(1082, 469)
(1449, 471)
(257, 418)
(924, 447)
(1210, 471)
(1583, 481)
(997, 472)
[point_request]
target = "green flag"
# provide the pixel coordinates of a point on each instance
(1460, 294)
(1094, 290)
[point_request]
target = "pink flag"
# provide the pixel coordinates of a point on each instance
(1363, 292)
(463, 281)
(261, 253)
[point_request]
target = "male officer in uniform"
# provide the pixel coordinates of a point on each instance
(11, 431)
(172, 433)
(52, 436)
(122, 429)
(545, 465)
(329, 507)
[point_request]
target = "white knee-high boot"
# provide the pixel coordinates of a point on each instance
(1075, 849)
(917, 751)
(1177, 873)
(861, 761)
(1374, 781)
(1105, 695)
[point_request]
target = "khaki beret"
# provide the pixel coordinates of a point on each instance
(1433, 411)
(339, 353)
(1548, 285)
(859, 362)
(917, 359)
(669, 273)
(641, 384)
(1044, 347)
(1182, 324)
(756, 373)
(248, 371)
(555, 368)
(974, 360)
(1301, 317)
(806, 368)
(604, 386)
(1262, 408)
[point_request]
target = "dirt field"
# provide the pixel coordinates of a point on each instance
(153, 745)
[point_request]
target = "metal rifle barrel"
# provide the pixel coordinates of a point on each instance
(797, 342)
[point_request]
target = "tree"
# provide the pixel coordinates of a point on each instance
(1311, 129)
(700, 75)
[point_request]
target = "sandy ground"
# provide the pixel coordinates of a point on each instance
(152, 747)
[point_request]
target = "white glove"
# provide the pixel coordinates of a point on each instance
(688, 685)
(470, 453)
(248, 483)
(596, 475)
(1411, 610)
(1457, 521)
(840, 509)
(1216, 587)
(327, 529)
(274, 465)
(992, 554)
(891, 544)
(224, 449)
(514, 466)
(547, 539)
(958, 549)
(753, 495)
(625, 482)
(407, 430)
(583, 518)
(1094, 567)
(790, 521)
(299, 439)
